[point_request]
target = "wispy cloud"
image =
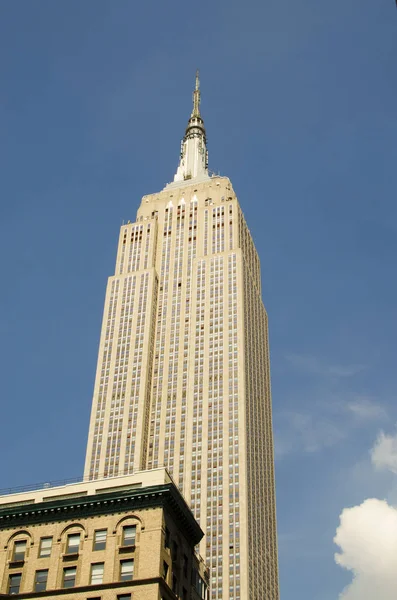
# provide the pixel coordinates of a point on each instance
(328, 423)
(323, 411)
(384, 452)
(306, 433)
(364, 407)
(315, 366)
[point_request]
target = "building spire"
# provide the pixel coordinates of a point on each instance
(196, 97)
(193, 163)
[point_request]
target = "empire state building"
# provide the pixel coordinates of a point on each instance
(183, 375)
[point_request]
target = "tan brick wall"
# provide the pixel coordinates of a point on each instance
(148, 555)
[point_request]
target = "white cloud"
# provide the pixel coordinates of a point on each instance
(367, 534)
(384, 452)
(367, 537)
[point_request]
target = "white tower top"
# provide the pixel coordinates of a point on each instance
(193, 162)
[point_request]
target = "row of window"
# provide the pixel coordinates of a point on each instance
(69, 576)
(73, 543)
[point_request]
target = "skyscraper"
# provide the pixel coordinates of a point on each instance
(183, 376)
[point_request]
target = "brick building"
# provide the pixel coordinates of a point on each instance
(123, 538)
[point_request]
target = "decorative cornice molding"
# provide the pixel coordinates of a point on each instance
(92, 589)
(165, 496)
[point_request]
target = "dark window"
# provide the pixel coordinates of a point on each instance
(184, 594)
(69, 577)
(167, 538)
(123, 596)
(73, 543)
(185, 565)
(14, 583)
(129, 534)
(100, 539)
(199, 584)
(174, 551)
(126, 570)
(19, 550)
(45, 547)
(40, 580)
(174, 584)
(165, 569)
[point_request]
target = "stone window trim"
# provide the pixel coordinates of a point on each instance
(19, 551)
(12, 544)
(128, 538)
(69, 576)
(131, 520)
(99, 540)
(14, 583)
(73, 529)
(45, 547)
(40, 580)
(72, 545)
(126, 570)
(97, 573)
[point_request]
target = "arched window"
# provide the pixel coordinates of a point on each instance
(72, 537)
(128, 537)
(19, 550)
(18, 546)
(73, 543)
(127, 530)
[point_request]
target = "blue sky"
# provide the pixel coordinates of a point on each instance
(299, 101)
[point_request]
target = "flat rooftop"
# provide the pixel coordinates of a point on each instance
(48, 492)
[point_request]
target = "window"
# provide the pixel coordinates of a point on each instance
(45, 547)
(167, 538)
(14, 583)
(100, 539)
(174, 551)
(19, 550)
(73, 543)
(174, 584)
(69, 577)
(129, 534)
(40, 580)
(126, 570)
(184, 594)
(185, 565)
(165, 569)
(123, 596)
(97, 573)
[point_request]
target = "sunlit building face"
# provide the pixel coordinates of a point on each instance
(183, 376)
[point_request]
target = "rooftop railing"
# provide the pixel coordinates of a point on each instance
(34, 487)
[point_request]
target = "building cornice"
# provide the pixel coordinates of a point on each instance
(165, 496)
(92, 589)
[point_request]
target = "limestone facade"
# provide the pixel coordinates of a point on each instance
(183, 372)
